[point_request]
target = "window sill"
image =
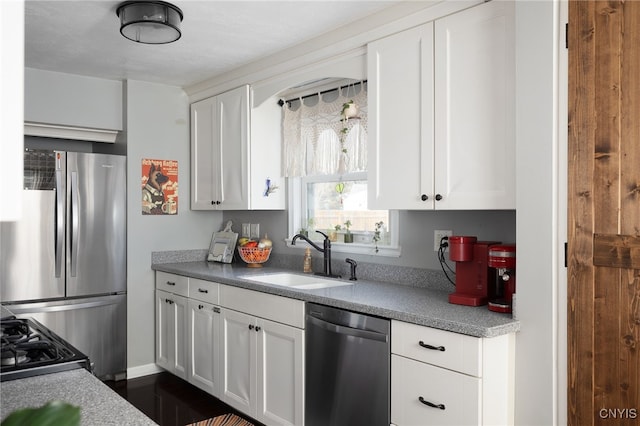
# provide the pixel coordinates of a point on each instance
(353, 248)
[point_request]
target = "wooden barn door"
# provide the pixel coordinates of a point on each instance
(604, 213)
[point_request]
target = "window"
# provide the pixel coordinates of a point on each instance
(325, 162)
(328, 202)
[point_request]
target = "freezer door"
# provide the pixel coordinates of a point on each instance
(97, 326)
(32, 249)
(96, 224)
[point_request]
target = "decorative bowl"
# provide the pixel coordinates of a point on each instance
(254, 257)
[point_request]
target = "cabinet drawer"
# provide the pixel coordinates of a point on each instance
(172, 283)
(442, 348)
(206, 291)
(456, 395)
(269, 306)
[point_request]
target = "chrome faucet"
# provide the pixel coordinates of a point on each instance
(326, 251)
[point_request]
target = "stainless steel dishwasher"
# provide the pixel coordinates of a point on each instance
(347, 368)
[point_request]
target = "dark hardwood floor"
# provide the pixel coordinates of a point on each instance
(171, 401)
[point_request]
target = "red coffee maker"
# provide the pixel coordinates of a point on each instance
(473, 275)
(503, 259)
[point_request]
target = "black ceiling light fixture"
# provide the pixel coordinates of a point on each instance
(150, 22)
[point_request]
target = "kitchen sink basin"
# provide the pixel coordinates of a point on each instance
(302, 282)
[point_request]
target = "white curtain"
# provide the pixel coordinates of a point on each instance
(311, 136)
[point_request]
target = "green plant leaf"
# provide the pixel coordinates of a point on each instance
(54, 413)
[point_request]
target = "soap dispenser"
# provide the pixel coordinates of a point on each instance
(306, 268)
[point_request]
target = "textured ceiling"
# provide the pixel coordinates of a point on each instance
(83, 37)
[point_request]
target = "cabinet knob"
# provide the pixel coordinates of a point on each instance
(250, 326)
(200, 306)
(257, 328)
(203, 290)
(424, 197)
(438, 197)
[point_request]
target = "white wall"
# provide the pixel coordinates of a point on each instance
(157, 127)
(538, 212)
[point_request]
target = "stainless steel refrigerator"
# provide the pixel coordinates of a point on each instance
(64, 262)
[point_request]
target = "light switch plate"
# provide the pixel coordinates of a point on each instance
(255, 231)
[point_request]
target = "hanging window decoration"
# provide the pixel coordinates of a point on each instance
(328, 137)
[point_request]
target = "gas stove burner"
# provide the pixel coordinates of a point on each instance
(13, 329)
(29, 348)
(12, 356)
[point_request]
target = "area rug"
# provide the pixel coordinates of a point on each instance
(224, 420)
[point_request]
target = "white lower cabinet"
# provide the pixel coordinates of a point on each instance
(171, 332)
(427, 395)
(280, 373)
(444, 378)
(263, 368)
(239, 361)
(204, 342)
(242, 346)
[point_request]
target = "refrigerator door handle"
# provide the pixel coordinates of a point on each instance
(70, 306)
(59, 238)
(74, 224)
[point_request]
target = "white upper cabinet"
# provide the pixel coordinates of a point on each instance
(70, 100)
(441, 102)
(219, 151)
(229, 168)
(401, 119)
(475, 108)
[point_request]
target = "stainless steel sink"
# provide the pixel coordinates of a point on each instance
(302, 282)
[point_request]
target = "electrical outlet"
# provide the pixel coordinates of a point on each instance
(437, 236)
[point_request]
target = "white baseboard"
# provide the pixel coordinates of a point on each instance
(143, 370)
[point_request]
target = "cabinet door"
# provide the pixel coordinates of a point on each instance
(204, 346)
(171, 333)
(475, 108)
(233, 119)
(455, 397)
(280, 374)
(164, 333)
(239, 361)
(178, 306)
(220, 151)
(400, 153)
(205, 155)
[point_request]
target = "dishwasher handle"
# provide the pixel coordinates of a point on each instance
(348, 331)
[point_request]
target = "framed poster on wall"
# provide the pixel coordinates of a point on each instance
(159, 187)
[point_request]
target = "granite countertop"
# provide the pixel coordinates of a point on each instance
(394, 301)
(99, 404)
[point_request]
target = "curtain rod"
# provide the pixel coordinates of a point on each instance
(281, 101)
